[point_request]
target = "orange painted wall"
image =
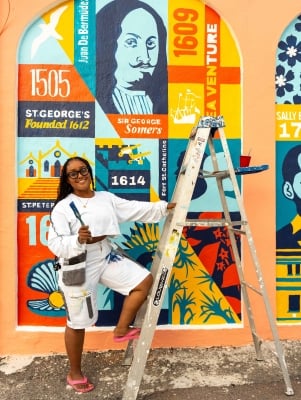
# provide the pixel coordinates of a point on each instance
(257, 27)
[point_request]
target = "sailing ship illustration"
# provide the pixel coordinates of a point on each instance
(187, 110)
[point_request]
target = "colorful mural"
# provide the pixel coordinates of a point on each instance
(288, 189)
(127, 100)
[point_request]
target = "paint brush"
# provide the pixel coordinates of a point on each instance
(76, 212)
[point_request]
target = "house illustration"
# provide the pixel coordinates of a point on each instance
(38, 173)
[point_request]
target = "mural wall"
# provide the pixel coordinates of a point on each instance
(122, 83)
(288, 174)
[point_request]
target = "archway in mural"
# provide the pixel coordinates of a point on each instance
(71, 103)
(288, 173)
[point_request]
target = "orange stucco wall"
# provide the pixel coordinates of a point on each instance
(257, 27)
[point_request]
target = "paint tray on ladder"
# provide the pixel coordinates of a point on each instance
(250, 170)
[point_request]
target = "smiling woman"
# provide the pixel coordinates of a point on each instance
(82, 220)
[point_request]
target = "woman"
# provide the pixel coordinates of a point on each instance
(87, 233)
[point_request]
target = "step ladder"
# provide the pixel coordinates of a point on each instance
(137, 351)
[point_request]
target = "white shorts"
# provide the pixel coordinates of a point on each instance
(102, 266)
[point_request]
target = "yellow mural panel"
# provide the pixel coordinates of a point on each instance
(229, 50)
(196, 298)
(231, 109)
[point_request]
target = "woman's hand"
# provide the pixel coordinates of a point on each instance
(84, 235)
(171, 205)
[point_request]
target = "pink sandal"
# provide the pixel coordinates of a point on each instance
(80, 385)
(132, 334)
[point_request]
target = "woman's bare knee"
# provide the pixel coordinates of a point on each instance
(148, 281)
(145, 285)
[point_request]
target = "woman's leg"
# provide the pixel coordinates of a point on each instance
(131, 305)
(74, 342)
(81, 304)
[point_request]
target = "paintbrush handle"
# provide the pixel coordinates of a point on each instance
(76, 212)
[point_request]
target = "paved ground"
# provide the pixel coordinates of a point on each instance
(219, 373)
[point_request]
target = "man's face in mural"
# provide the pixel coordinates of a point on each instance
(292, 184)
(137, 48)
(297, 180)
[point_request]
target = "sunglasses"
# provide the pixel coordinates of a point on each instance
(74, 174)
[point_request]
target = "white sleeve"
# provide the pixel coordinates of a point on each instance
(62, 237)
(143, 211)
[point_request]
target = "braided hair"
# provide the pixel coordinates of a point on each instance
(64, 186)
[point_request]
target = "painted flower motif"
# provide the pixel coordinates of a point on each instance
(42, 278)
(298, 24)
(297, 99)
(282, 80)
(291, 50)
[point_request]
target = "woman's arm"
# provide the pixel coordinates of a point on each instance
(143, 211)
(62, 236)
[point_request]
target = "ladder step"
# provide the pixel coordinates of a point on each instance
(214, 174)
(212, 223)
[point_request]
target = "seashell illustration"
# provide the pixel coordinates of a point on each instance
(42, 278)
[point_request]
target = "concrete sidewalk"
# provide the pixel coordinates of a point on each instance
(219, 373)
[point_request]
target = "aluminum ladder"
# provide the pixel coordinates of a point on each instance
(137, 350)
